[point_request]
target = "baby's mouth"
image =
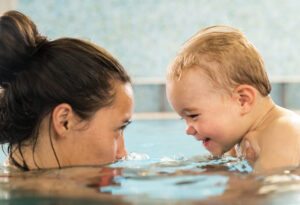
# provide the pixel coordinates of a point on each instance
(204, 139)
(206, 142)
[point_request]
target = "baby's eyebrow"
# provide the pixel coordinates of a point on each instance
(187, 110)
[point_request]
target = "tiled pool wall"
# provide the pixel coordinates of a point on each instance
(152, 98)
(144, 35)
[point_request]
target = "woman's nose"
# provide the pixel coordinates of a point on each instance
(121, 150)
(190, 130)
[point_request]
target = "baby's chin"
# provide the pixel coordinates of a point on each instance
(217, 150)
(223, 151)
(217, 153)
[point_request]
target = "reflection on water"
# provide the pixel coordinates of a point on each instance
(140, 179)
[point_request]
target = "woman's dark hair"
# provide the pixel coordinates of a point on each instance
(37, 74)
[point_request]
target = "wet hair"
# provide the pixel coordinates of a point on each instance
(238, 62)
(37, 74)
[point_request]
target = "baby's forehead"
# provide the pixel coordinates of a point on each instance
(200, 73)
(191, 77)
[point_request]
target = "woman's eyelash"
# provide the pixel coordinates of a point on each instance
(122, 127)
(193, 116)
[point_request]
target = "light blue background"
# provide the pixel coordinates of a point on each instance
(145, 34)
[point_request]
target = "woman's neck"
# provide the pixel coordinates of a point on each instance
(33, 154)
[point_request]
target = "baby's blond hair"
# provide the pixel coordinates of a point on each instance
(238, 61)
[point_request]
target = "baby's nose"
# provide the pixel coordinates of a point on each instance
(121, 151)
(190, 130)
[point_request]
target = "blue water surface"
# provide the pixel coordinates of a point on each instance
(161, 138)
(164, 166)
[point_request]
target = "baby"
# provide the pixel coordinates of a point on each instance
(218, 84)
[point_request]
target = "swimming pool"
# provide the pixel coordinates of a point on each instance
(164, 167)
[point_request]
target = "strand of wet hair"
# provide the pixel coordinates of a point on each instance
(50, 136)
(25, 166)
(36, 133)
(14, 162)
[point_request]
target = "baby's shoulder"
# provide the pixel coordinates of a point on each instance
(289, 120)
(286, 125)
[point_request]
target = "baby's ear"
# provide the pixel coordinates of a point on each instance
(245, 96)
(62, 117)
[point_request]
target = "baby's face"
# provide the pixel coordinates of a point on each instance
(211, 115)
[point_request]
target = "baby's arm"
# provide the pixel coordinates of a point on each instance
(279, 147)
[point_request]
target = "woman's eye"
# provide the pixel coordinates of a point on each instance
(122, 127)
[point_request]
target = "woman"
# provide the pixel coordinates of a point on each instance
(63, 103)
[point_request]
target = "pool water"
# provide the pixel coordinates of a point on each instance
(164, 166)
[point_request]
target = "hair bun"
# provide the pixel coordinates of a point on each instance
(19, 40)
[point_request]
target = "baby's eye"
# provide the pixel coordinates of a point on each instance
(194, 116)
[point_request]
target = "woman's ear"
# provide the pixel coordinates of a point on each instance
(245, 96)
(62, 115)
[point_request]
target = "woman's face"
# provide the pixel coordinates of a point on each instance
(101, 140)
